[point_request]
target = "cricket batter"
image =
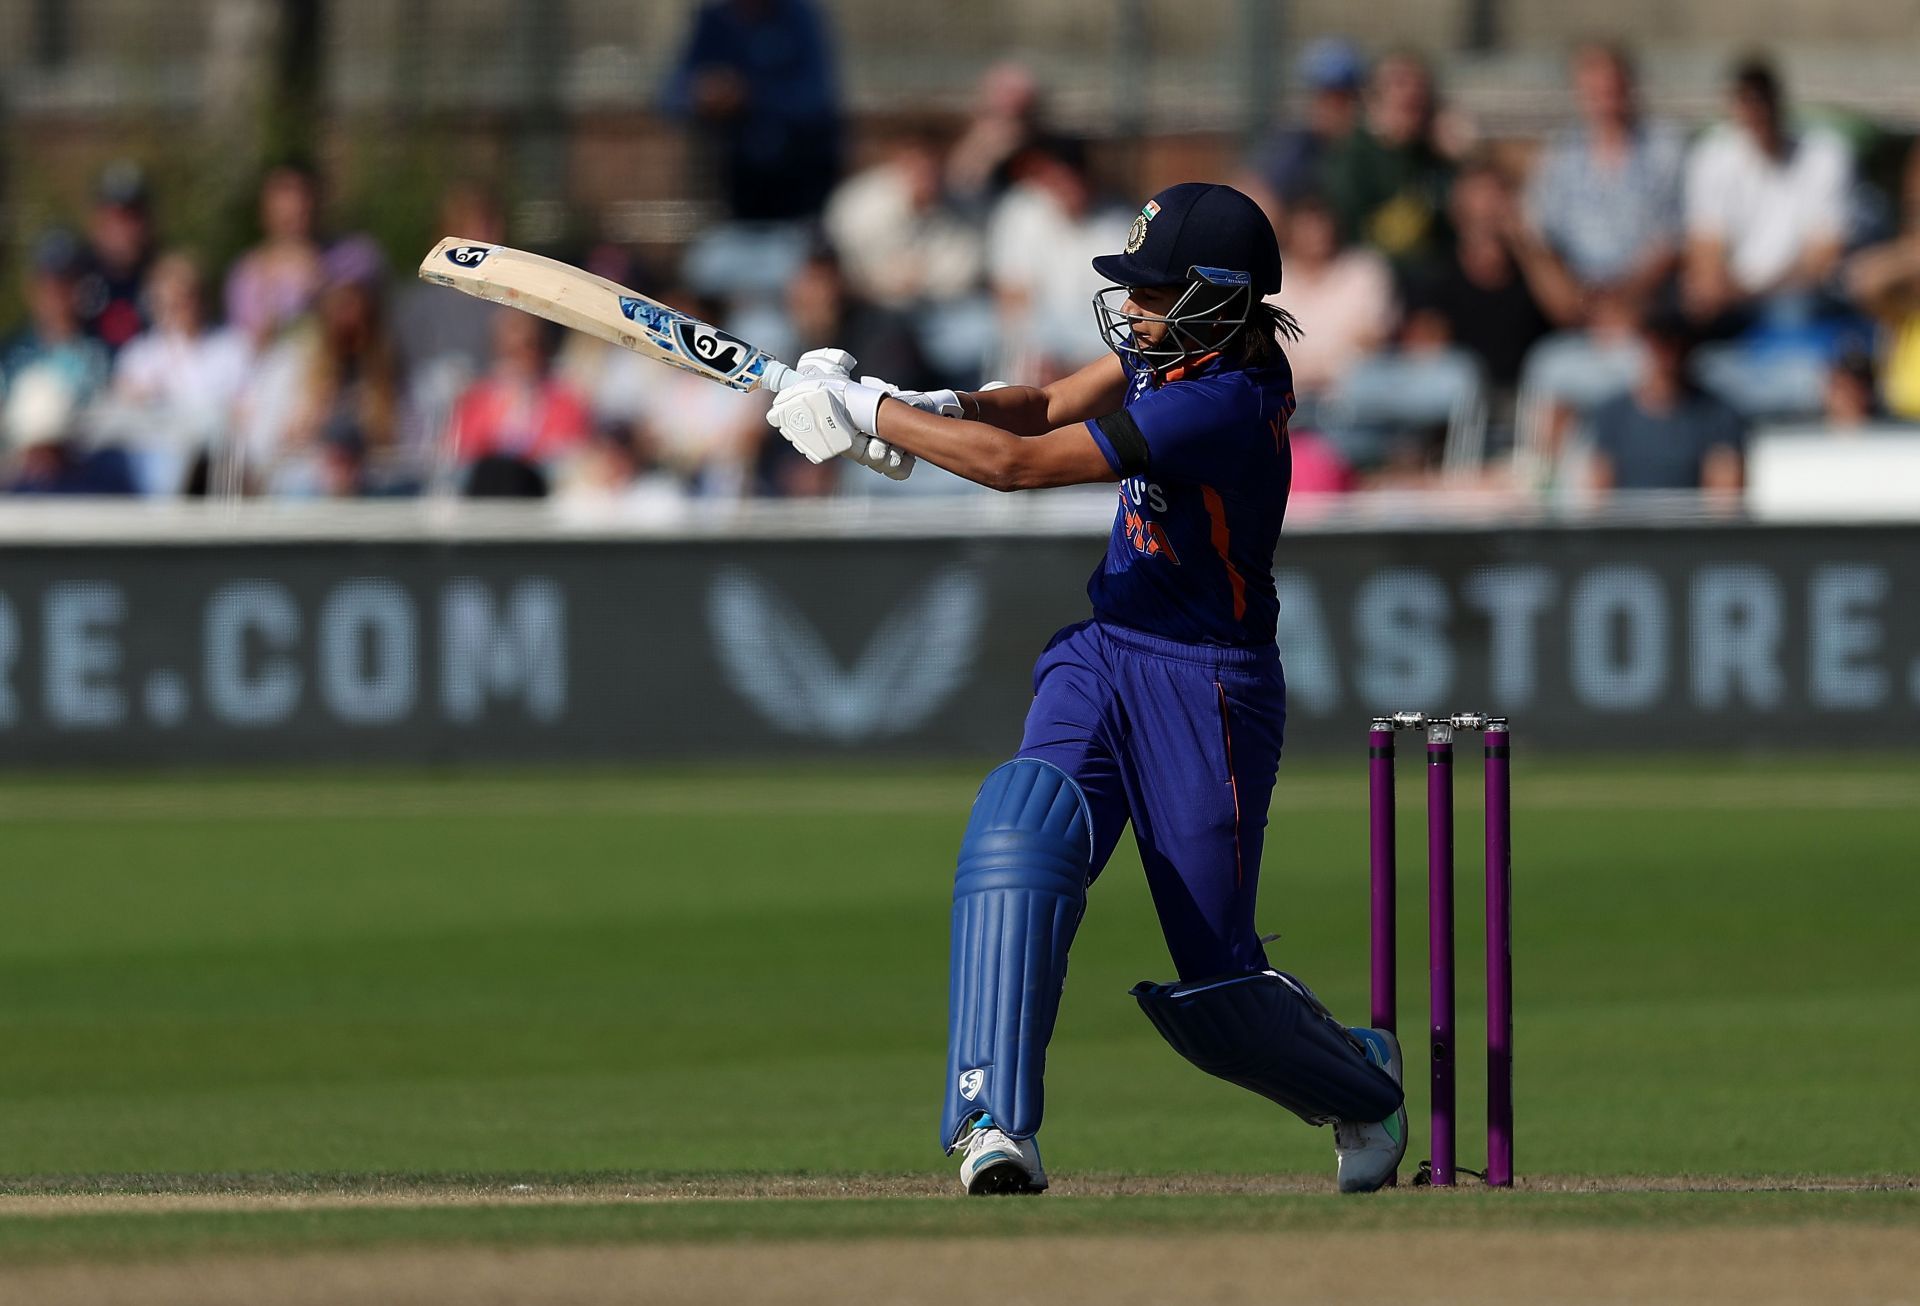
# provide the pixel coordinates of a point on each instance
(1166, 709)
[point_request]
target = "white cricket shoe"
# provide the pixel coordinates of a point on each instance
(995, 1163)
(1368, 1154)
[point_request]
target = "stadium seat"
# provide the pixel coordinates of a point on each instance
(1387, 397)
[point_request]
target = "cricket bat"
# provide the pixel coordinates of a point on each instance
(577, 299)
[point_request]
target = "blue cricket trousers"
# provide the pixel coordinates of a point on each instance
(1184, 740)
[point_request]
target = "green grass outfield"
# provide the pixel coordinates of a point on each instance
(322, 980)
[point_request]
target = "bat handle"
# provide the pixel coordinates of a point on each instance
(777, 376)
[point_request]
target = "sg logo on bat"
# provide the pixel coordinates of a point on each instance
(708, 348)
(714, 348)
(469, 256)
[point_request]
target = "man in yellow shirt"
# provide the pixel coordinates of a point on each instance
(1885, 280)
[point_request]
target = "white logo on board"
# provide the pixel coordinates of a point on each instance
(775, 659)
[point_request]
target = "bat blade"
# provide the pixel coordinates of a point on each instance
(579, 300)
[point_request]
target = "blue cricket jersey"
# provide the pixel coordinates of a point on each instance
(1205, 467)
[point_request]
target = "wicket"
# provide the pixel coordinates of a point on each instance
(1384, 932)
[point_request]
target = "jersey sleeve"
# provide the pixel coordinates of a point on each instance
(1185, 432)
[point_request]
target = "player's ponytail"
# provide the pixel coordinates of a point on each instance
(1267, 325)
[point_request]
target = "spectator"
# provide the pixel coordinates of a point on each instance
(335, 370)
(1005, 122)
(1343, 298)
(1885, 280)
(117, 259)
(1041, 243)
(619, 477)
(1667, 434)
(274, 283)
(824, 312)
(757, 76)
(1606, 196)
(52, 342)
(1500, 290)
(1852, 398)
(1318, 468)
(49, 370)
(703, 434)
(343, 461)
(519, 410)
(503, 476)
(1387, 181)
(821, 311)
(898, 239)
(41, 424)
(1293, 164)
(437, 327)
(176, 385)
(1766, 206)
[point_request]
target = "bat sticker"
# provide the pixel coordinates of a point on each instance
(711, 348)
(708, 348)
(469, 256)
(651, 316)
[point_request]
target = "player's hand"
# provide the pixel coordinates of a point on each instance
(831, 364)
(838, 365)
(941, 403)
(812, 416)
(863, 400)
(889, 460)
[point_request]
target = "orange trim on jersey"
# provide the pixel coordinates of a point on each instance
(1221, 539)
(1233, 783)
(1180, 372)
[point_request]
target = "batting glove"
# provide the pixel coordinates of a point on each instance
(830, 364)
(813, 418)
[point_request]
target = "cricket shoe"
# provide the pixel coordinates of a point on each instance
(995, 1163)
(1368, 1154)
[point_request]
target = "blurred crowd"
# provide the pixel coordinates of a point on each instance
(1618, 306)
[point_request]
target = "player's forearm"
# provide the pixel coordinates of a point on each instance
(1093, 391)
(1016, 409)
(976, 451)
(988, 455)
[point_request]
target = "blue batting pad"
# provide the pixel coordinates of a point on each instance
(1266, 1032)
(1017, 899)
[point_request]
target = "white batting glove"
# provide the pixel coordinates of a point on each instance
(890, 461)
(836, 364)
(862, 402)
(812, 417)
(941, 403)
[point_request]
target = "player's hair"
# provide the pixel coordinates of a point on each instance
(1267, 325)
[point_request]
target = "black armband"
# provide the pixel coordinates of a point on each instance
(1129, 446)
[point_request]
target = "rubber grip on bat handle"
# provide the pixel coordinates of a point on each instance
(777, 376)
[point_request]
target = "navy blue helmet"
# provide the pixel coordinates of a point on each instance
(1215, 241)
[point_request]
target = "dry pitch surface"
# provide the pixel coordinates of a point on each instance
(1829, 1264)
(1483, 1260)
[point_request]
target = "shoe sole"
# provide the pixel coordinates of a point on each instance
(1008, 1178)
